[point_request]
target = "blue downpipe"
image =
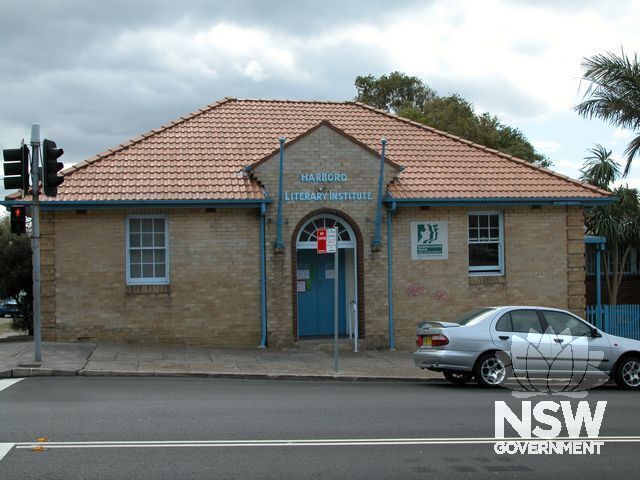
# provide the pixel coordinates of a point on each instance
(392, 341)
(263, 279)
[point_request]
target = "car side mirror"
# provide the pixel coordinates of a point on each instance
(595, 333)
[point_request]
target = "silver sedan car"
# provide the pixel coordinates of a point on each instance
(494, 344)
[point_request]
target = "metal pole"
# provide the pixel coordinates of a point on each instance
(599, 322)
(335, 308)
(35, 241)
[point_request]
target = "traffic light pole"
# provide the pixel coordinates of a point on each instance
(35, 241)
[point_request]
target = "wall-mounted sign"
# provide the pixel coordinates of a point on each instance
(327, 196)
(429, 241)
(323, 177)
(323, 193)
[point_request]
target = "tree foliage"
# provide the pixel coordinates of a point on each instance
(16, 274)
(613, 95)
(409, 97)
(618, 222)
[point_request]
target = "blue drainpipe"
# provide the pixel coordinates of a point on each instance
(375, 243)
(263, 279)
(279, 246)
(392, 341)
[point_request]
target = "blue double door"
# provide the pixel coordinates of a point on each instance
(316, 293)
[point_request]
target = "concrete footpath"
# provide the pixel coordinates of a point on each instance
(300, 362)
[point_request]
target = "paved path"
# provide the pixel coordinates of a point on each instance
(90, 359)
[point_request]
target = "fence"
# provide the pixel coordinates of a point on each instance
(621, 320)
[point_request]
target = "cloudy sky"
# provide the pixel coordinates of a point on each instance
(94, 73)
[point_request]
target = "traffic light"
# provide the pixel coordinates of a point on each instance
(16, 168)
(51, 167)
(18, 219)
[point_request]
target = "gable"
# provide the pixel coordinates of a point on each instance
(324, 164)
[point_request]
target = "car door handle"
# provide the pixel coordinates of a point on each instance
(504, 337)
(558, 340)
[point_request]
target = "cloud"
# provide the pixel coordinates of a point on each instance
(622, 134)
(548, 147)
(94, 74)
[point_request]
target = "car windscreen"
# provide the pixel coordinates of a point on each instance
(474, 316)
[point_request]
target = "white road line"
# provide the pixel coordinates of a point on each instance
(313, 442)
(7, 382)
(4, 449)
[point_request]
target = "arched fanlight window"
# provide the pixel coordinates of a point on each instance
(307, 238)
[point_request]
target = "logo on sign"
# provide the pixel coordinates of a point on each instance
(429, 241)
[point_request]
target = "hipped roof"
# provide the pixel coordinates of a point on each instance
(203, 155)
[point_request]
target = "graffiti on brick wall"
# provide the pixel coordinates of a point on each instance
(437, 294)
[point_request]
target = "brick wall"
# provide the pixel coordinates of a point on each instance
(543, 266)
(213, 297)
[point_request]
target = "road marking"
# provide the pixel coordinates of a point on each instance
(7, 382)
(314, 442)
(4, 449)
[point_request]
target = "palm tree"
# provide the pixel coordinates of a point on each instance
(614, 95)
(599, 168)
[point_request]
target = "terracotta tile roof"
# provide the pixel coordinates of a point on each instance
(201, 156)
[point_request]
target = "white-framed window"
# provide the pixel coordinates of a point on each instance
(486, 243)
(147, 249)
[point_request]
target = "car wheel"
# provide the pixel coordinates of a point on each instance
(627, 373)
(492, 369)
(458, 378)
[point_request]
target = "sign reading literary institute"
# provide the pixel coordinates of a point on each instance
(321, 194)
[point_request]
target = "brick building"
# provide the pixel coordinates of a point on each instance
(175, 236)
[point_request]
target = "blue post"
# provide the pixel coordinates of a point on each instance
(263, 280)
(375, 243)
(279, 246)
(392, 341)
(598, 291)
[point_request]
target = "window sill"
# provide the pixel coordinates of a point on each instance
(487, 279)
(148, 289)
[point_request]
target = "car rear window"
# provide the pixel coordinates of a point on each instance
(519, 321)
(469, 318)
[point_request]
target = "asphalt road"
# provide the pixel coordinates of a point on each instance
(161, 428)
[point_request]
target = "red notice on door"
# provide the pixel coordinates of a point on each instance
(322, 240)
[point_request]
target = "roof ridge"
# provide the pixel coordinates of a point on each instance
(285, 100)
(484, 148)
(143, 136)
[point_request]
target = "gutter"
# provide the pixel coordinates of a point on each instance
(462, 202)
(116, 204)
